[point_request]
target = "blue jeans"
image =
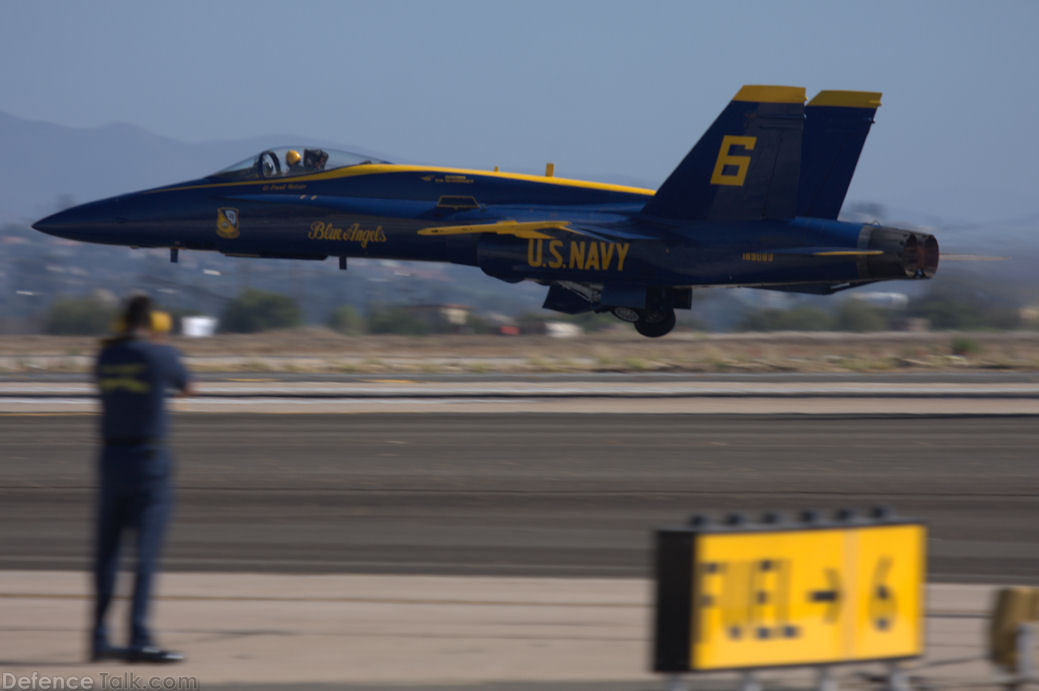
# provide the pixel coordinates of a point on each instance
(135, 494)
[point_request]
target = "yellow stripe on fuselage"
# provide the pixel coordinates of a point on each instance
(384, 168)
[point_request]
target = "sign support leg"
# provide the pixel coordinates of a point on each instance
(748, 682)
(827, 682)
(1025, 641)
(676, 683)
(896, 678)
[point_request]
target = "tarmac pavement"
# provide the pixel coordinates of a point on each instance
(353, 631)
(603, 395)
(504, 548)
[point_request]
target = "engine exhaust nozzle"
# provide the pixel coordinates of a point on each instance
(904, 254)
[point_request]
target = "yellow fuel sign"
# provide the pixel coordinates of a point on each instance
(776, 597)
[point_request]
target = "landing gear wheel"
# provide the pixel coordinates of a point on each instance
(627, 314)
(655, 324)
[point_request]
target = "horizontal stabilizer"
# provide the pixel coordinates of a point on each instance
(816, 288)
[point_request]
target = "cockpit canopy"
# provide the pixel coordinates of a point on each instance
(289, 161)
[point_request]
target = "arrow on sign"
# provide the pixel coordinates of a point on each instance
(832, 595)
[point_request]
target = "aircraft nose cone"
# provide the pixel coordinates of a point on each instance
(85, 221)
(71, 223)
(51, 223)
(150, 218)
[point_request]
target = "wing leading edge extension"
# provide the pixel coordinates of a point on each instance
(536, 230)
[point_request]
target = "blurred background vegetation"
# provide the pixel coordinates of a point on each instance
(951, 306)
(58, 287)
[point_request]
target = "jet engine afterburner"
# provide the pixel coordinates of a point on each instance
(906, 253)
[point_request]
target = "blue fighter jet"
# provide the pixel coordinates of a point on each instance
(754, 203)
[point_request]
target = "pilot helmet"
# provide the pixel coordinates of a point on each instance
(292, 157)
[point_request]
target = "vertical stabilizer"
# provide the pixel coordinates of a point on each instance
(745, 167)
(836, 125)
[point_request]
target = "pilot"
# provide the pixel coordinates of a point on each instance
(314, 159)
(294, 161)
(133, 374)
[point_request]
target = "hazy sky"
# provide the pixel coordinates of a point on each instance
(597, 87)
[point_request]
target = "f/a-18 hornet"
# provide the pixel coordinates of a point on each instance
(754, 203)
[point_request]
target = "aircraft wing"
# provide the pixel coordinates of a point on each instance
(537, 230)
(814, 288)
(526, 230)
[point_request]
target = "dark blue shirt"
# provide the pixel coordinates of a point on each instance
(133, 376)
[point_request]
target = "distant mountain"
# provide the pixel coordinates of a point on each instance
(50, 166)
(45, 163)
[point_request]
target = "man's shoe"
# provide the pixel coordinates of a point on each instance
(107, 653)
(153, 655)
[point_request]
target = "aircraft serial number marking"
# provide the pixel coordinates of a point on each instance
(758, 257)
(581, 255)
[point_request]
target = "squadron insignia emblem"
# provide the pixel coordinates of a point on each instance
(227, 223)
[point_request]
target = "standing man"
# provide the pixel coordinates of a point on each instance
(134, 374)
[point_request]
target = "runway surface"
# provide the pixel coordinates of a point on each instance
(565, 395)
(896, 377)
(529, 494)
